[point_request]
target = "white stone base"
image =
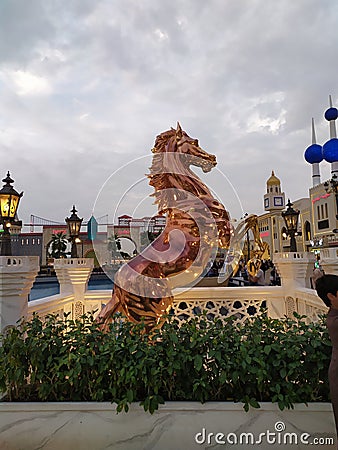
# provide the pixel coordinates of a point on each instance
(96, 426)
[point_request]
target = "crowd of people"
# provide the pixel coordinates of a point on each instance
(266, 275)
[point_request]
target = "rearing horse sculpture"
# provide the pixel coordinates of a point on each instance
(197, 225)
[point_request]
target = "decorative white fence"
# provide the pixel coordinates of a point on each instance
(241, 302)
(294, 295)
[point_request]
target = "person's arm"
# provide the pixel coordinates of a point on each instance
(253, 278)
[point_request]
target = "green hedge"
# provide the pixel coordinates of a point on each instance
(283, 361)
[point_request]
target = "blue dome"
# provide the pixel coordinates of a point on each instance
(314, 154)
(331, 114)
(330, 150)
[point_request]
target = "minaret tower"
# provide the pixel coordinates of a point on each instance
(274, 199)
(330, 148)
(314, 155)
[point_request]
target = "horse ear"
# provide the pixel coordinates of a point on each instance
(179, 132)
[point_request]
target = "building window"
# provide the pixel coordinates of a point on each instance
(326, 211)
(22, 241)
(38, 241)
(307, 231)
(322, 224)
(33, 241)
(318, 212)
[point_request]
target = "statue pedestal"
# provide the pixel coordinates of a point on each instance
(17, 275)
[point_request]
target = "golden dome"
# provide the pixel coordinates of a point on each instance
(273, 180)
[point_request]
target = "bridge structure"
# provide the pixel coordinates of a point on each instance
(37, 221)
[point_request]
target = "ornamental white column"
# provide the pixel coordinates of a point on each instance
(73, 275)
(295, 269)
(329, 260)
(17, 275)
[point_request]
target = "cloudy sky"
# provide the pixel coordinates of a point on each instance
(86, 86)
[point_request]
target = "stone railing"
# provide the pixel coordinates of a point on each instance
(17, 276)
(55, 304)
(69, 303)
(246, 302)
(329, 260)
(295, 269)
(294, 295)
(241, 302)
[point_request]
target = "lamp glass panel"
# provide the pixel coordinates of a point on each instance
(294, 220)
(13, 206)
(74, 227)
(5, 204)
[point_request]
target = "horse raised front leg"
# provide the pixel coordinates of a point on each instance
(106, 313)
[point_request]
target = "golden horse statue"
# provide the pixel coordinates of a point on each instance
(197, 225)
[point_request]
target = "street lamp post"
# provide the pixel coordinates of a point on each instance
(332, 186)
(247, 239)
(78, 241)
(74, 224)
(9, 202)
(290, 217)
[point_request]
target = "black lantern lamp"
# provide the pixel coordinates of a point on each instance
(332, 186)
(290, 217)
(9, 202)
(74, 224)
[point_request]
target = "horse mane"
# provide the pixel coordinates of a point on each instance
(174, 180)
(170, 171)
(163, 139)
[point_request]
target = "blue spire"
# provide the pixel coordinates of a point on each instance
(330, 148)
(314, 153)
(331, 113)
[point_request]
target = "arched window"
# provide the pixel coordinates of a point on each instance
(307, 230)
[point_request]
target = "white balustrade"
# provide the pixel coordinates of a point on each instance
(73, 275)
(17, 275)
(241, 302)
(294, 295)
(295, 269)
(329, 260)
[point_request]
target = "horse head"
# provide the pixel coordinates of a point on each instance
(181, 147)
(195, 155)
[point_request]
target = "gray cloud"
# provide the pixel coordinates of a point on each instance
(86, 87)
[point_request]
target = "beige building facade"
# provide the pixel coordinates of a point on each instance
(317, 221)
